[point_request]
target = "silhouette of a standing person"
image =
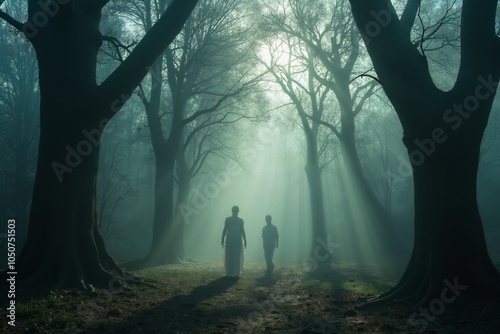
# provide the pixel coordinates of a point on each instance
(233, 253)
(270, 238)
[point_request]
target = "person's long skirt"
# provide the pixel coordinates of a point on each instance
(233, 255)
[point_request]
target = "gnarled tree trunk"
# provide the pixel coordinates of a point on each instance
(64, 247)
(442, 133)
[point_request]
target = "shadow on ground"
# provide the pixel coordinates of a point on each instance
(185, 313)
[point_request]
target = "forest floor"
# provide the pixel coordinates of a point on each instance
(198, 298)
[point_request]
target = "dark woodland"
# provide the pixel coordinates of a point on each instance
(347, 151)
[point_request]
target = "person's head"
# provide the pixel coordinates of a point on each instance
(235, 210)
(269, 219)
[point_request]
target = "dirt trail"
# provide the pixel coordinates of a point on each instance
(197, 298)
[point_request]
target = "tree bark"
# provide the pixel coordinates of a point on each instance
(340, 64)
(21, 192)
(62, 220)
(380, 218)
(449, 241)
(184, 185)
(163, 248)
(64, 248)
(320, 256)
(442, 133)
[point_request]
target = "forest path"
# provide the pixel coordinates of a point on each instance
(197, 298)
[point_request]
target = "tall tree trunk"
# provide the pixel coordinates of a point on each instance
(163, 250)
(443, 133)
(449, 241)
(352, 249)
(184, 185)
(64, 247)
(379, 219)
(61, 248)
(21, 194)
(320, 256)
(26, 128)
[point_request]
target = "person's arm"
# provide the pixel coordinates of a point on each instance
(243, 233)
(224, 233)
(277, 237)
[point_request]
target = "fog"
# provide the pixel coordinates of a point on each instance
(268, 177)
(261, 105)
(271, 183)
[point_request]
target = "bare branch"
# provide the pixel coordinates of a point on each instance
(364, 98)
(328, 125)
(221, 120)
(130, 73)
(222, 99)
(365, 75)
(429, 34)
(118, 47)
(10, 20)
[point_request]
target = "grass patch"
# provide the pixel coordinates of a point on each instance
(349, 278)
(356, 287)
(198, 298)
(103, 325)
(48, 314)
(198, 271)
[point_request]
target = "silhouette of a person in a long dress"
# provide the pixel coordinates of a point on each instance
(233, 253)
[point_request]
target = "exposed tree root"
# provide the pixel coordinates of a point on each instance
(186, 258)
(147, 262)
(424, 290)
